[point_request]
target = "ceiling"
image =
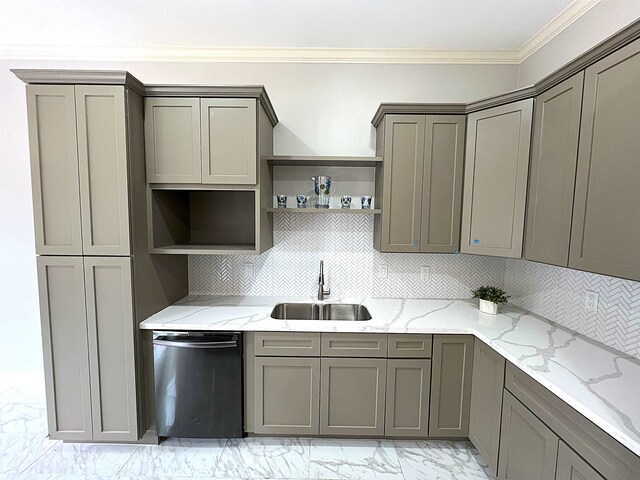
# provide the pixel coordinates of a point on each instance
(497, 31)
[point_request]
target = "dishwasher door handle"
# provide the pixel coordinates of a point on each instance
(170, 343)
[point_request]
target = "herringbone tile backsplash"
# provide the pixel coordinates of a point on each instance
(558, 294)
(345, 243)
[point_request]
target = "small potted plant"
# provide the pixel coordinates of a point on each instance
(490, 298)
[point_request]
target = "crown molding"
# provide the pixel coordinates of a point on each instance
(84, 77)
(259, 55)
(559, 23)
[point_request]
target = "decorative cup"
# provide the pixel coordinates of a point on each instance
(301, 201)
(345, 201)
(322, 187)
(282, 201)
(365, 201)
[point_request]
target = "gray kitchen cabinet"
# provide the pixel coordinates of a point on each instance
(66, 352)
(554, 153)
(528, 448)
(495, 180)
(571, 466)
(352, 396)
(111, 332)
(287, 395)
(102, 156)
(407, 404)
(606, 224)
(51, 113)
(88, 336)
(486, 402)
(228, 135)
(354, 345)
(451, 376)
(172, 140)
(422, 183)
(409, 345)
(287, 344)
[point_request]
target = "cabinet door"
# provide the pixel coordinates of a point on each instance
(572, 467)
(451, 377)
(402, 186)
(229, 142)
(486, 402)
(606, 224)
(442, 184)
(287, 395)
(172, 140)
(495, 180)
(54, 169)
(408, 386)
(528, 448)
(111, 333)
(352, 396)
(102, 154)
(64, 341)
(554, 154)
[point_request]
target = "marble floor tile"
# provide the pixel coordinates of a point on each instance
(21, 387)
(23, 418)
(19, 451)
(176, 458)
(84, 459)
(263, 457)
(354, 459)
(440, 460)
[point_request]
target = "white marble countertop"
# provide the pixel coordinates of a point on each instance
(597, 381)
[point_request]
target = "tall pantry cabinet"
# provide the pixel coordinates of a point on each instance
(87, 162)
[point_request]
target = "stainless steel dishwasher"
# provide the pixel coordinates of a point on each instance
(198, 384)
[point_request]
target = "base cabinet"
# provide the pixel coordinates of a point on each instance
(408, 388)
(352, 396)
(528, 448)
(287, 392)
(486, 402)
(572, 467)
(451, 385)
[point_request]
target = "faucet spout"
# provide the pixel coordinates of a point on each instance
(322, 292)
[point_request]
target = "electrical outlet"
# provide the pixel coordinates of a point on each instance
(591, 301)
(248, 270)
(382, 271)
(424, 273)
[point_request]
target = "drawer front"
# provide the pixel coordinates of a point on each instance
(354, 345)
(287, 344)
(410, 346)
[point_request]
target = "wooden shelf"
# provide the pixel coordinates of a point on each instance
(189, 249)
(293, 161)
(364, 211)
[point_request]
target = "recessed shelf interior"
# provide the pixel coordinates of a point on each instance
(203, 220)
(296, 180)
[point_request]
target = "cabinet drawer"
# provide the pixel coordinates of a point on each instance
(354, 345)
(288, 344)
(410, 346)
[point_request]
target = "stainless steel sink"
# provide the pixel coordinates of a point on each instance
(316, 311)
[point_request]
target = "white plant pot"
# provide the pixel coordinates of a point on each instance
(488, 307)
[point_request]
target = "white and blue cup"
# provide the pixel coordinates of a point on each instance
(301, 201)
(345, 201)
(322, 187)
(365, 202)
(282, 201)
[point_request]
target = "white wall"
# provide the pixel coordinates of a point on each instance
(323, 109)
(599, 23)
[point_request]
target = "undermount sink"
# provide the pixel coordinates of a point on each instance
(353, 312)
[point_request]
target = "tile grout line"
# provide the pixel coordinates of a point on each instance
(128, 460)
(55, 444)
(226, 442)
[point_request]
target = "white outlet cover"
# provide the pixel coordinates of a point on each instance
(248, 270)
(591, 301)
(383, 271)
(424, 273)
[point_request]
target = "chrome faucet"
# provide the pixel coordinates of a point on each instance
(321, 290)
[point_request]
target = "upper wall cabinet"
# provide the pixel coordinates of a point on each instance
(495, 185)
(78, 146)
(606, 222)
(208, 140)
(556, 128)
(421, 182)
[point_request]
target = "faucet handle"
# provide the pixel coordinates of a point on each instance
(327, 292)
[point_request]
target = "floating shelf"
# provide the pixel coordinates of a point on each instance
(189, 249)
(371, 211)
(293, 161)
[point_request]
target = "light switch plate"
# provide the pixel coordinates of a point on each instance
(591, 301)
(382, 271)
(424, 273)
(248, 270)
